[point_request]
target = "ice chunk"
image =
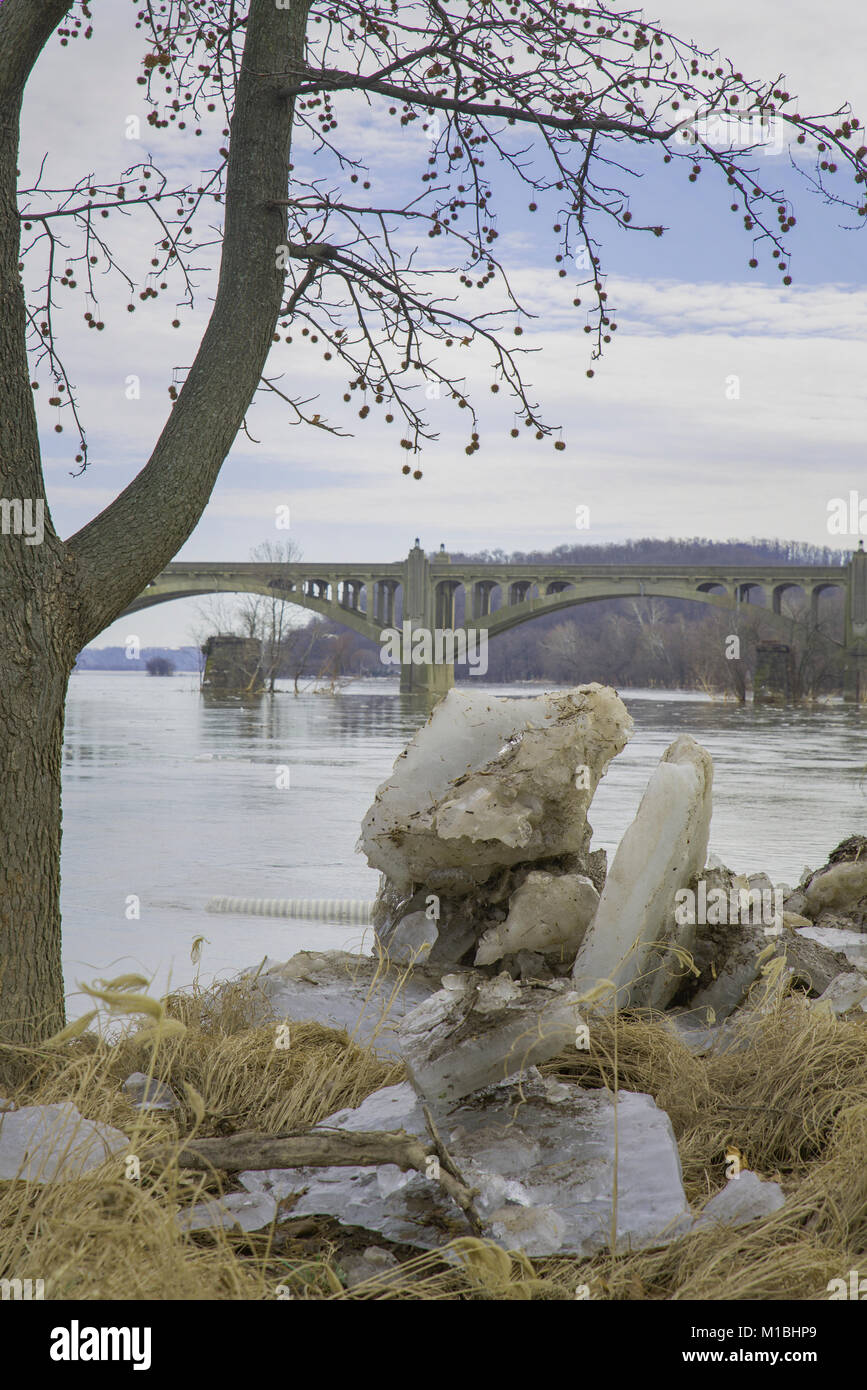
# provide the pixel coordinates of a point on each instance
(250, 1211)
(454, 1043)
(43, 1143)
(733, 956)
(341, 990)
(144, 1093)
(411, 943)
(541, 1156)
(743, 1199)
(841, 886)
(490, 782)
(547, 912)
(663, 848)
(851, 944)
(733, 970)
(389, 1108)
(846, 991)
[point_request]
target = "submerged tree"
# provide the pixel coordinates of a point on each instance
(556, 100)
(271, 618)
(159, 666)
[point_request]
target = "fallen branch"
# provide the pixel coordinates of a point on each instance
(252, 1151)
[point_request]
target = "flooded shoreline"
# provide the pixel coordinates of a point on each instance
(174, 800)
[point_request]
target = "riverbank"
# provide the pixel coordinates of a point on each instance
(562, 1079)
(792, 1102)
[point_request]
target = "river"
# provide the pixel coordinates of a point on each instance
(172, 800)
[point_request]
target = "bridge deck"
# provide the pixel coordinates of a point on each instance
(477, 569)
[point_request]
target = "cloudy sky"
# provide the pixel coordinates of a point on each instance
(655, 443)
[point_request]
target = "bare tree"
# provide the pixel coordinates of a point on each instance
(654, 632)
(270, 618)
(562, 647)
(816, 665)
(556, 96)
(298, 651)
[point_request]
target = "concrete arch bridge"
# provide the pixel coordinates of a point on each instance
(499, 596)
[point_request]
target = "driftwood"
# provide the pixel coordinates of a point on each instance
(253, 1151)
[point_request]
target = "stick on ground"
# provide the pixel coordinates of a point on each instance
(253, 1151)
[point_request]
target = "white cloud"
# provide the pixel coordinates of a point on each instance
(654, 445)
(821, 54)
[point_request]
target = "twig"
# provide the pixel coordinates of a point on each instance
(448, 1165)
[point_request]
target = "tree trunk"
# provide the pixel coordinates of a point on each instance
(55, 597)
(32, 695)
(37, 642)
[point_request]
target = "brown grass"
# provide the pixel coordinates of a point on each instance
(792, 1101)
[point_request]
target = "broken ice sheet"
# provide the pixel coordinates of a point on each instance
(250, 1211)
(477, 1031)
(342, 990)
(47, 1143)
(541, 1155)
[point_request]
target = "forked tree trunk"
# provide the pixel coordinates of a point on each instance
(55, 596)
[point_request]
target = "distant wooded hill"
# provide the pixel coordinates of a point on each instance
(115, 658)
(670, 552)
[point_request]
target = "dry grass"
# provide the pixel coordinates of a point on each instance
(792, 1102)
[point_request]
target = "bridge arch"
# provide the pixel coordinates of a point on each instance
(571, 596)
(521, 589)
(445, 591)
(779, 592)
(816, 593)
(316, 594)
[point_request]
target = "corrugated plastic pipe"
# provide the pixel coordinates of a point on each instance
(352, 910)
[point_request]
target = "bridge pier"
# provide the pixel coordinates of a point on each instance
(233, 666)
(855, 679)
(855, 669)
(426, 678)
(420, 599)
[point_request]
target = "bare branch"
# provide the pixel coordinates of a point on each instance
(153, 516)
(252, 1151)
